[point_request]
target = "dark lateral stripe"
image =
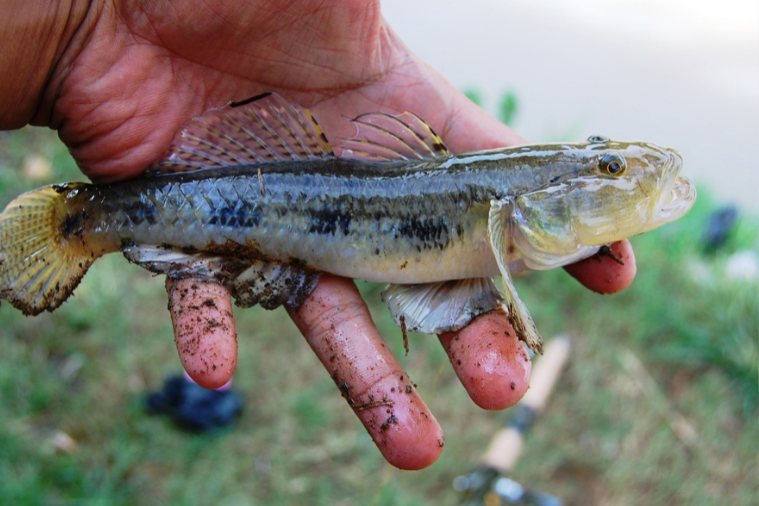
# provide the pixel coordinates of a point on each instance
(345, 215)
(242, 215)
(431, 232)
(138, 212)
(328, 221)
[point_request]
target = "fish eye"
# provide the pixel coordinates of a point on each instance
(598, 138)
(613, 164)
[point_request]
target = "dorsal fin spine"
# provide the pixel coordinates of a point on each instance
(320, 132)
(245, 148)
(380, 147)
(382, 136)
(295, 113)
(439, 144)
(362, 153)
(215, 146)
(261, 142)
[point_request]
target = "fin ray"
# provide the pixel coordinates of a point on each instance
(38, 267)
(435, 308)
(404, 149)
(382, 136)
(264, 129)
(519, 316)
(250, 281)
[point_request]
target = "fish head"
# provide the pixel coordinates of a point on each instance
(630, 188)
(611, 191)
(627, 189)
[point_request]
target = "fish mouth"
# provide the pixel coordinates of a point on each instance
(678, 192)
(676, 202)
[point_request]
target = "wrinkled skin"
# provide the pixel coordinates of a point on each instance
(125, 75)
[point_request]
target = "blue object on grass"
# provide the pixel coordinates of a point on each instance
(194, 408)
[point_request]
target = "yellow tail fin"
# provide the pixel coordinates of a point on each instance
(43, 249)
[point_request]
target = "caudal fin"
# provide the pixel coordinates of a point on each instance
(43, 249)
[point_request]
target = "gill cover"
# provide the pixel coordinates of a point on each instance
(545, 225)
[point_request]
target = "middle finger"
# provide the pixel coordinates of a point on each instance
(337, 325)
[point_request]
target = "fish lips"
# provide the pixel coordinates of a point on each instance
(678, 194)
(676, 202)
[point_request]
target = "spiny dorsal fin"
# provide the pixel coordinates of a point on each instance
(265, 128)
(387, 137)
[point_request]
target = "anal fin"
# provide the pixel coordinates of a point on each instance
(272, 284)
(251, 282)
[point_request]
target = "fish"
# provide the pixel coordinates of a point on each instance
(253, 196)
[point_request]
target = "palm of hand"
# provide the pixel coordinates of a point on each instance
(141, 73)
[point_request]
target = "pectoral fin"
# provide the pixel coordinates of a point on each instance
(519, 316)
(435, 308)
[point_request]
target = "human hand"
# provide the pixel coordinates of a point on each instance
(134, 72)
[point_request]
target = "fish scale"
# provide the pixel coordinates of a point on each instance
(395, 207)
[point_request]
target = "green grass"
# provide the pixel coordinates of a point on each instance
(678, 347)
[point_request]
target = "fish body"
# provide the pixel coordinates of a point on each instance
(395, 207)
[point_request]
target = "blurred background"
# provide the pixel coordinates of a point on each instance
(681, 73)
(658, 404)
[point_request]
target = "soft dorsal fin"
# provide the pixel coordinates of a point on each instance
(387, 137)
(265, 128)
